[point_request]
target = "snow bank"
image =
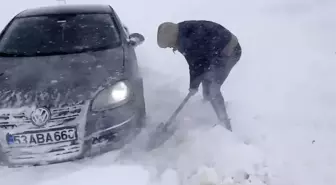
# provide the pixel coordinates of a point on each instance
(213, 155)
(203, 153)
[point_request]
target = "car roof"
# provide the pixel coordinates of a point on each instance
(65, 9)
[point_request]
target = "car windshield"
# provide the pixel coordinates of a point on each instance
(59, 34)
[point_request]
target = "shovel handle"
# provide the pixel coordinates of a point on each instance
(179, 108)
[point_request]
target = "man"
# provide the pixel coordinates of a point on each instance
(211, 52)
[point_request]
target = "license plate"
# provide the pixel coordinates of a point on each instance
(52, 136)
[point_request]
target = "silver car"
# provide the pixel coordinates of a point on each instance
(69, 84)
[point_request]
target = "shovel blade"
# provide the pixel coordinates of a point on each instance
(160, 135)
(165, 131)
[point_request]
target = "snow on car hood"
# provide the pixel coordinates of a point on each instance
(57, 80)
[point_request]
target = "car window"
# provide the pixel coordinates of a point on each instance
(60, 34)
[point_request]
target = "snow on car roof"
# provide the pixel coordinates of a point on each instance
(65, 9)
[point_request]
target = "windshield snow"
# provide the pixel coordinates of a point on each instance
(59, 34)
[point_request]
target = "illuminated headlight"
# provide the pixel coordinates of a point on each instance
(111, 97)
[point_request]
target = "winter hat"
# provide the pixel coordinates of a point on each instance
(167, 35)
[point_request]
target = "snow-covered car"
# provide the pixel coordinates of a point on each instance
(70, 85)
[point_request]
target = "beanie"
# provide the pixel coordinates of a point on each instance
(167, 35)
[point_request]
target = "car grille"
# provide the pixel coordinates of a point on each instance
(18, 120)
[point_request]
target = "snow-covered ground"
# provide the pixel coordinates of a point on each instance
(281, 98)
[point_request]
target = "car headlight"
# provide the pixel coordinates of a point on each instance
(111, 97)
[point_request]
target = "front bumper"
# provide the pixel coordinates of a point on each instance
(97, 132)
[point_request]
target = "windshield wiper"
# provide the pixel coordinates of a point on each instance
(35, 54)
(2, 54)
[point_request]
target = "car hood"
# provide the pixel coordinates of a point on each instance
(57, 80)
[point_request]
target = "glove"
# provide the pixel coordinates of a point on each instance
(193, 91)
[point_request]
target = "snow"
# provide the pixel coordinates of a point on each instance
(281, 98)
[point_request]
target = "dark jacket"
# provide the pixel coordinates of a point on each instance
(201, 42)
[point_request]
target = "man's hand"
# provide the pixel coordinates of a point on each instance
(193, 91)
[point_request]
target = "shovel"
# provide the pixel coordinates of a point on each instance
(165, 130)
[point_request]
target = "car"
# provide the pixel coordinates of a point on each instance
(70, 85)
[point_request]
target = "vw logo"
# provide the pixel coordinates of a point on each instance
(40, 116)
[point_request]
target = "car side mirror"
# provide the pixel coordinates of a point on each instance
(136, 39)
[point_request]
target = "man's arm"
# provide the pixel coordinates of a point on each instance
(196, 78)
(197, 69)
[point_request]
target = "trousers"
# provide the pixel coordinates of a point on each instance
(213, 80)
